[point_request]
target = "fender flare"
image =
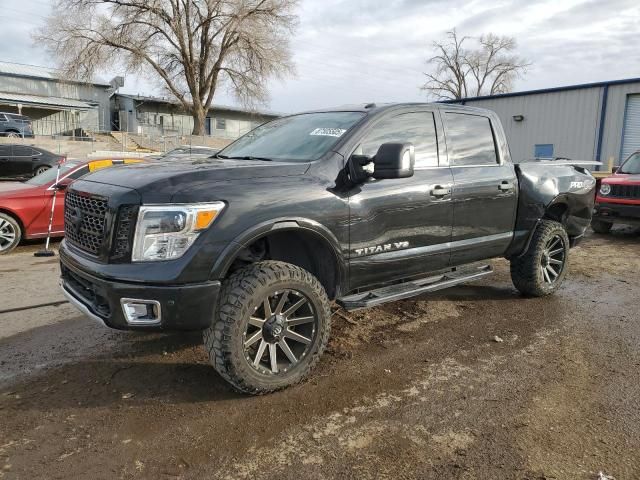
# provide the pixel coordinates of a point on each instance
(558, 200)
(231, 251)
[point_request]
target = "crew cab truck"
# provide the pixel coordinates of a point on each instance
(361, 205)
(618, 199)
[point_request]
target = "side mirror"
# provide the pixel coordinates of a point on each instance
(614, 169)
(394, 160)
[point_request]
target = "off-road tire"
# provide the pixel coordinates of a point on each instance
(526, 273)
(9, 224)
(599, 226)
(240, 292)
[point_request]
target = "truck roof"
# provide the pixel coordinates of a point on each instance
(380, 107)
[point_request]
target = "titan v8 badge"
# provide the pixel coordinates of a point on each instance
(387, 247)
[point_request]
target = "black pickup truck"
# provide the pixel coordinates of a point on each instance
(358, 205)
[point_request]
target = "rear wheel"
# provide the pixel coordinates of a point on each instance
(41, 169)
(541, 270)
(10, 233)
(599, 226)
(13, 135)
(271, 326)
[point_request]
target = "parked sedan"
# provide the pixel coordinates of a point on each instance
(24, 161)
(25, 207)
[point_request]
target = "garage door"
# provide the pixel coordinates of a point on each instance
(631, 132)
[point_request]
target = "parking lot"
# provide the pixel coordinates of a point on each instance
(471, 383)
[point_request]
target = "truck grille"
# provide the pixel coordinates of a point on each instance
(625, 191)
(124, 233)
(84, 221)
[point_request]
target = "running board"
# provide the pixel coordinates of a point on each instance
(410, 289)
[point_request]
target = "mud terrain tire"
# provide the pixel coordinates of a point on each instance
(256, 291)
(548, 250)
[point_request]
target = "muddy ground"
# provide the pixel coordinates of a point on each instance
(415, 389)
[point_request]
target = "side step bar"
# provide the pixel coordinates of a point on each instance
(410, 289)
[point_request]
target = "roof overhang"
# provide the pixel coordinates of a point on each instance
(54, 103)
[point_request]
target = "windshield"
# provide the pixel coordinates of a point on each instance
(49, 176)
(300, 138)
(632, 165)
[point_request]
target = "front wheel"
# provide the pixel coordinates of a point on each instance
(542, 268)
(271, 326)
(10, 233)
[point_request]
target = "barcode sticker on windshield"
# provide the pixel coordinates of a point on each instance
(328, 132)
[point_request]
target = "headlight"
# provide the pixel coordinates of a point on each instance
(165, 232)
(605, 189)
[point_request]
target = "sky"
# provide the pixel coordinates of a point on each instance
(360, 51)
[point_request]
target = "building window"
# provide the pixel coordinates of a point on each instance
(221, 123)
(544, 150)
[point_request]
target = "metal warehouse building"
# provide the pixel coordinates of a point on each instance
(56, 106)
(165, 117)
(596, 121)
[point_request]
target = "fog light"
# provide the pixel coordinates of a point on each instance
(141, 312)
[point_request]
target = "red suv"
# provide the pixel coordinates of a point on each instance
(618, 200)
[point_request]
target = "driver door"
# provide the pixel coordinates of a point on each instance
(401, 228)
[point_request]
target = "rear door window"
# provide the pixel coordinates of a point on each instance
(22, 151)
(418, 128)
(470, 140)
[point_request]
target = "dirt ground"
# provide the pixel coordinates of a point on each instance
(415, 389)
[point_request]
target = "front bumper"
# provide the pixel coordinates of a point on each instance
(181, 307)
(628, 214)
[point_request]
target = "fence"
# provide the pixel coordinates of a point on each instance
(108, 142)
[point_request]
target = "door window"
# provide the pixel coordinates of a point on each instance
(418, 128)
(5, 151)
(20, 151)
(470, 140)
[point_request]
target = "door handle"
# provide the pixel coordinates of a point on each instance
(440, 191)
(505, 186)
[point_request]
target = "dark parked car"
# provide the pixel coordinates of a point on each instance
(24, 161)
(359, 205)
(15, 126)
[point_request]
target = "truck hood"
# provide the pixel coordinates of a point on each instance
(623, 179)
(181, 174)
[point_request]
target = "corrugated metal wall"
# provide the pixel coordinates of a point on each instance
(631, 129)
(54, 88)
(612, 139)
(568, 119)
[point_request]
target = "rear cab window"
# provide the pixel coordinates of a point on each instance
(417, 128)
(470, 140)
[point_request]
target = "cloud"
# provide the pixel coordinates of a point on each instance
(357, 51)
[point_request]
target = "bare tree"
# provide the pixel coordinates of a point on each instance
(488, 69)
(193, 46)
